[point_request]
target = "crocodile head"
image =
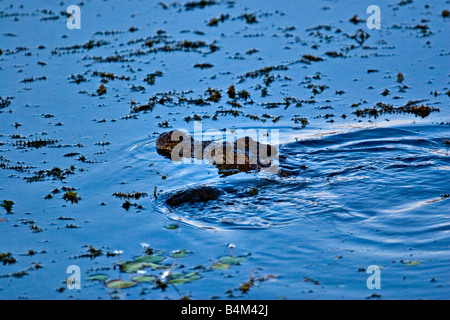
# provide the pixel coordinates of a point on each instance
(168, 140)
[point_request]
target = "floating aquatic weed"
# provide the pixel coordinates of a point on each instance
(72, 226)
(215, 95)
(215, 21)
(308, 279)
(164, 124)
(127, 205)
(55, 173)
(5, 102)
(247, 284)
(7, 258)
(243, 94)
(150, 78)
(7, 204)
(231, 92)
(37, 143)
(144, 107)
(334, 54)
(77, 47)
(308, 58)
(202, 66)
(245, 287)
(356, 20)
(199, 4)
(71, 196)
(19, 274)
(360, 36)
(133, 195)
(410, 108)
(101, 90)
(249, 18)
(35, 228)
(32, 79)
(92, 253)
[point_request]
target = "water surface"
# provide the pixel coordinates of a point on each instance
(365, 188)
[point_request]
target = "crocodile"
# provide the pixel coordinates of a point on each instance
(244, 155)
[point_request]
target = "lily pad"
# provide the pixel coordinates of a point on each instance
(132, 267)
(413, 263)
(220, 266)
(149, 279)
(156, 266)
(150, 258)
(178, 254)
(180, 277)
(120, 284)
(97, 277)
(231, 260)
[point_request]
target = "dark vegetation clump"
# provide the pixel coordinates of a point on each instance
(308, 58)
(5, 102)
(264, 71)
(127, 205)
(410, 108)
(215, 21)
(71, 196)
(249, 18)
(7, 258)
(132, 195)
(92, 253)
(144, 107)
(106, 76)
(199, 4)
(38, 143)
(231, 92)
(56, 174)
(77, 79)
(101, 90)
(150, 78)
(7, 204)
(334, 54)
(243, 94)
(203, 66)
(302, 121)
(214, 95)
(164, 124)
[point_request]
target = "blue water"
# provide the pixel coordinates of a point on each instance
(362, 191)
